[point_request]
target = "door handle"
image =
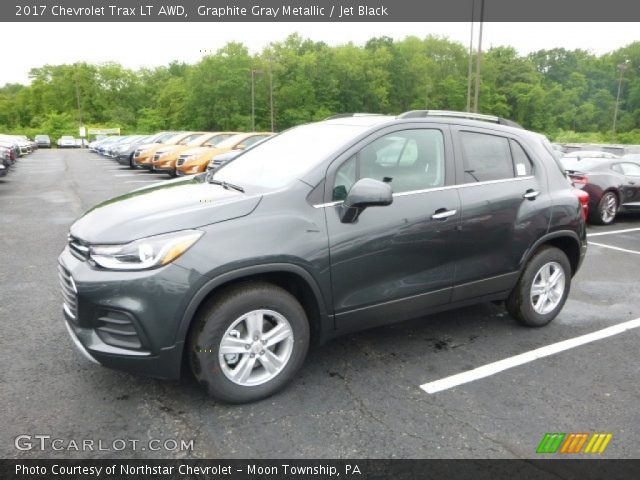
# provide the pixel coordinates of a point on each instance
(531, 194)
(442, 214)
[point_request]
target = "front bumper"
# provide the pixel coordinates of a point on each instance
(189, 170)
(143, 162)
(127, 320)
(123, 159)
(164, 166)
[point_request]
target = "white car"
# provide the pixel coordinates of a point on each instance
(67, 141)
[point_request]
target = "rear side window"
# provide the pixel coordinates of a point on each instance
(486, 157)
(630, 169)
(521, 160)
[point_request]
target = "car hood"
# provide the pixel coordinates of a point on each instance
(196, 150)
(170, 148)
(147, 146)
(160, 208)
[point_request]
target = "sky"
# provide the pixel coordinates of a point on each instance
(153, 44)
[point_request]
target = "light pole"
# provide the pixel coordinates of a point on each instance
(271, 91)
(81, 129)
(254, 72)
(470, 65)
(622, 67)
(476, 98)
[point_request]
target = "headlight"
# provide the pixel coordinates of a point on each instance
(149, 252)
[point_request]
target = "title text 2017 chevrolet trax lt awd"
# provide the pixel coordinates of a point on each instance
(323, 229)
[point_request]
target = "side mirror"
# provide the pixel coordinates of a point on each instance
(365, 193)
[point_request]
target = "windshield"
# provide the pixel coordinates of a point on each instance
(199, 140)
(232, 141)
(174, 137)
(287, 156)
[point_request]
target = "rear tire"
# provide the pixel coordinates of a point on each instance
(265, 333)
(542, 289)
(607, 209)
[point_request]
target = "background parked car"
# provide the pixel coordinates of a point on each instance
(9, 143)
(165, 158)
(194, 161)
(24, 146)
(124, 153)
(590, 154)
(224, 158)
(613, 185)
(43, 141)
(67, 141)
(6, 159)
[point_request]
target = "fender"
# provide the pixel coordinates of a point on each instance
(550, 236)
(326, 323)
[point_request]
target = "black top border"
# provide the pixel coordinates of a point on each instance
(319, 11)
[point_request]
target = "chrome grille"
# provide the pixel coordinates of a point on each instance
(69, 293)
(181, 161)
(137, 153)
(156, 157)
(78, 249)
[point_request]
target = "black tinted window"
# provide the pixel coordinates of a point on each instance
(486, 157)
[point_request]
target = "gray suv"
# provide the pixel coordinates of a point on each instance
(326, 228)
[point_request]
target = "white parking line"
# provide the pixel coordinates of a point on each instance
(613, 232)
(502, 365)
(614, 248)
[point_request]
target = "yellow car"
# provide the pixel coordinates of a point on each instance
(145, 157)
(195, 160)
(164, 160)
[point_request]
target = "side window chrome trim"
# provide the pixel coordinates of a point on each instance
(439, 189)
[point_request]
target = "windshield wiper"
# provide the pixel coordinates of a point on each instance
(226, 185)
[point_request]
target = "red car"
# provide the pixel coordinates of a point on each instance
(613, 185)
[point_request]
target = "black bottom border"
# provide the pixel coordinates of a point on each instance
(233, 469)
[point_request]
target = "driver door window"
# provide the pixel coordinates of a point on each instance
(408, 160)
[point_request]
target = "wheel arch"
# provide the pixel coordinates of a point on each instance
(565, 240)
(293, 278)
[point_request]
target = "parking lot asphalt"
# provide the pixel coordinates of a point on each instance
(358, 396)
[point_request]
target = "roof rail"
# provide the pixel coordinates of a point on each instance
(469, 115)
(354, 114)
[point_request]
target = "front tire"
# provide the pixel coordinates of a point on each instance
(542, 289)
(248, 342)
(607, 209)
